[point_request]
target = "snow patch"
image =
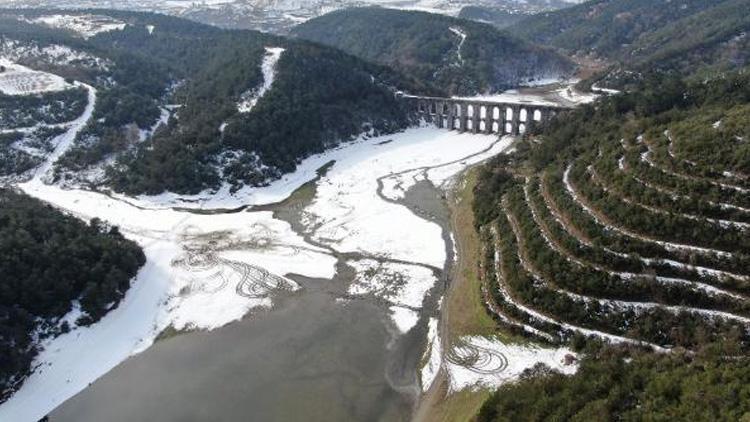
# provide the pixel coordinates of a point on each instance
(350, 216)
(86, 25)
(268, 67)
(433, 354)
(479, 362)
(175, 288)
(64, 141)
(18, 51)
(461, 40)
(607, 91)
(20, 80)
(564, 95)
(404, 318)
(162, 121)
(402, 285)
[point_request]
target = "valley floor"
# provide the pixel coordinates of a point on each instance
(208, 267)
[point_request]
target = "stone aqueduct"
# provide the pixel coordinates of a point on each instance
(481, 116)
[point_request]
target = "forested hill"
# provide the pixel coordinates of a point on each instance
(463, 56)
(48, 261)
(626, 223)
(196, 77)
(319, 98)
(612, 385)
(688, 35)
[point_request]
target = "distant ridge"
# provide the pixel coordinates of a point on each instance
(464, 57)
(688, 36)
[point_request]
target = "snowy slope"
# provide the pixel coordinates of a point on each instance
(20, 80)
(268, 67)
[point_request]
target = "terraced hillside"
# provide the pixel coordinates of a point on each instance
(626, 221)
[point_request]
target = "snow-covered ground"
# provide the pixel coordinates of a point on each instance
(433, 355)
(84, 25)
(20, 80)
(19, 51)
(478, 362)
(575, 97)
(564, 94)
(608, 91)
(348, 214)
(268, 67)
(402, 285)
(512, 96)
(184, 284)
(164, 116)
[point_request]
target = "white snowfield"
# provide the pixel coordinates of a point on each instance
(86, 25)
(268, 67)
(493, 363)
(20, 80)
(164, 293)
(349, 215)
(476, 362)
(433, 355)
(576, 97)
(403, 286)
